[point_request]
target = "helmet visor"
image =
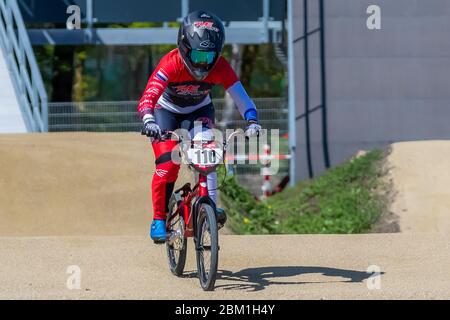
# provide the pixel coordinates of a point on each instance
(202, 57)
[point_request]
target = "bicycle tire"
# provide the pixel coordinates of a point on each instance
(207, 223)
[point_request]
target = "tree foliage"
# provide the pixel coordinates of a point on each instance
(107, 73)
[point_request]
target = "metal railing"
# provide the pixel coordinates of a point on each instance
(22, 64)
(122, 116)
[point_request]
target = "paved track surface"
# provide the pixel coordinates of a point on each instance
(83, 199)
(276, 267)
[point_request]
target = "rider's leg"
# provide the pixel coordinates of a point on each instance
(213, 192)
(212, 186)
(165, 176)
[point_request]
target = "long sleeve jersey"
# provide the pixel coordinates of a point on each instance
(172, 87)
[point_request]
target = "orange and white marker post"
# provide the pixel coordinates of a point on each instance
(266, 163)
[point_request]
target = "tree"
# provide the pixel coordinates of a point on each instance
(62, 81)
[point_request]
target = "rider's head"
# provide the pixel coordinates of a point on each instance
(200, 41)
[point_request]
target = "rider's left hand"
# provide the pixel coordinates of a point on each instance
(253, 129)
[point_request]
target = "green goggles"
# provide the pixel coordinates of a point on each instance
(202, 57)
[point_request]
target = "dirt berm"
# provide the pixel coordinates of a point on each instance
(420, 173)
(76, 184)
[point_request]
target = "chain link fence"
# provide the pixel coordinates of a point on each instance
(122, 116)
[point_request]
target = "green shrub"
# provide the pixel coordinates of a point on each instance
(341, 201)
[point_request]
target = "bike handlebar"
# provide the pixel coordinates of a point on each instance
(225, 143)
(183, 151)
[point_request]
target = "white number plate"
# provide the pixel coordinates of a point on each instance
(205, 157)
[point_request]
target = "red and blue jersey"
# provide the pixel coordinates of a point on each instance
(172, 87)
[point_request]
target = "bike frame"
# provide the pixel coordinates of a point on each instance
(192, 199)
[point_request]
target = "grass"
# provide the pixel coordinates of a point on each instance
(344, 200)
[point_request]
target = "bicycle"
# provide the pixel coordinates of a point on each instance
(192, 213)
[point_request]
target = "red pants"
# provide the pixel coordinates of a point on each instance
(164, 179)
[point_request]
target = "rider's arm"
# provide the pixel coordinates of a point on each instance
(244, 103)
(156, 86)
(234, 87)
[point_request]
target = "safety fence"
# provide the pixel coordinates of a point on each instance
(122, 116)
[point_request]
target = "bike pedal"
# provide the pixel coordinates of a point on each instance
(159, 242)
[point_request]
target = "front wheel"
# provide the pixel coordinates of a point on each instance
(207, 247)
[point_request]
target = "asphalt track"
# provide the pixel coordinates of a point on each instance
(83, 200)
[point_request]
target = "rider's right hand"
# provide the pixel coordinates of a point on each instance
(151, 129)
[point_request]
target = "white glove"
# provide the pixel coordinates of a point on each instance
(253, 129)
(151, 128)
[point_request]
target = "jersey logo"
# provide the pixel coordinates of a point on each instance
(161, 76)
(206, 25)
(190, 90)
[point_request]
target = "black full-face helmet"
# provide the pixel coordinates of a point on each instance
(200, 42)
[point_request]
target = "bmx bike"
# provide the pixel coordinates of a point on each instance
(192, 213)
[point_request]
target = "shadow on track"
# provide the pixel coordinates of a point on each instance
(257, 279)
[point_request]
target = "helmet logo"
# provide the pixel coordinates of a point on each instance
(205, 16)
(208, 25)
(207, 44)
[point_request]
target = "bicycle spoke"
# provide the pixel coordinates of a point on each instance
(175, 223)
(206, 247)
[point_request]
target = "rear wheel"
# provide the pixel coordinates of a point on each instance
(176, 244)
(207, 247)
